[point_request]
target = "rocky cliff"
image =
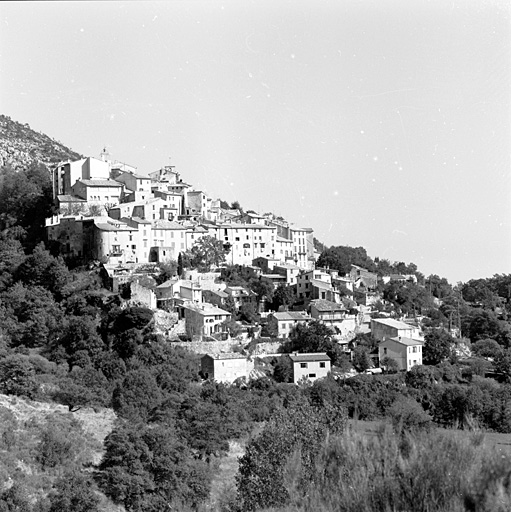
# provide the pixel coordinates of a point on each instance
(20, 146)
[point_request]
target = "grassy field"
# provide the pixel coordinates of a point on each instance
(502, 442)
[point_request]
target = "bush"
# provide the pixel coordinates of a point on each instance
(17, 376)
(430, 472)
(407, 415)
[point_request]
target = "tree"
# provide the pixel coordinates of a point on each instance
(25, 202)
(283, 455)
(420, 377)
(283, 296)
(283, 369)
(480, 324)
(232, 327)
(74, 491)
(263, 287)
(408, 415)
(390, 365)
(486, 348)
(42, 269)
(31, 317)
(149, 468)
(248, 313)
(137, 395)
(168, 270)
(17, 376)
(135, 317)
(81, 342)
(313, 337)
(206, 252)
(437, 346)
(361, 360)
(15, 499)
(342, 257)
(502, 363)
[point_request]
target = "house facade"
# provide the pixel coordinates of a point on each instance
(406, 352)
(311, 366)
(225, 367)
(286, 321)
(203, 319)
(384, 328)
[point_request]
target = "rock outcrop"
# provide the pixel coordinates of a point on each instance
(20, 146)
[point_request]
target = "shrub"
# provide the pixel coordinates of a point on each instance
(17, 376)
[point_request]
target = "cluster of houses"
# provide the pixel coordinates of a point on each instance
(110, 213)
(398, 340)
(128, 221)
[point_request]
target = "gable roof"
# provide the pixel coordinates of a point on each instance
(68, 198)
(225, 355)
(390, 322)
(321, 284)
(166, 224)
(206, 309)
(290, 315)
(327, 305)
(406, 341)
(309, 357)
(101, 183)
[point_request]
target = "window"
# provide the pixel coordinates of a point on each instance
(384, 351)
(321, 365)
(312, 375)
(303, 365)
(414, 349)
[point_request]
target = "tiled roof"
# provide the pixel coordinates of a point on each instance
(166, 224)
(101, 183)
(138, 220)
(290, 315)
(326, 305)
(389, 322)
(111, 227)
(321, 284)
(220, 293)
(168, 284)
(407, 341)
(67, 198)
(206, 309)
(302, 358)
(227, 355)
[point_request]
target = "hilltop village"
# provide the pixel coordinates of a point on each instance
(133, 224)
(185, 334)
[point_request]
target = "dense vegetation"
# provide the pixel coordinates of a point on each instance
(65, 339)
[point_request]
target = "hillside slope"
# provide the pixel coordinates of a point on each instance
(20, 146)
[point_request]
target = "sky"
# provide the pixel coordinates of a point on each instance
(382, 124)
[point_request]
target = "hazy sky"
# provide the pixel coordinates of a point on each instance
(379, 123)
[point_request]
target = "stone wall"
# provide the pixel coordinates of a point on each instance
(219, 347)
